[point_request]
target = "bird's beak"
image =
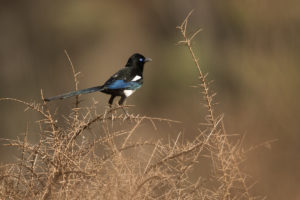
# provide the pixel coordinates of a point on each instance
(148, 59)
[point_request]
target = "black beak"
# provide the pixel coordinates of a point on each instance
(147, 60)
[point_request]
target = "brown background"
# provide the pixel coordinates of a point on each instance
(250, 49)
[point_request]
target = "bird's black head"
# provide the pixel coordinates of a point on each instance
(137, 60)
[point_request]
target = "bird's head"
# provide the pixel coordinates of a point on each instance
(137, 60)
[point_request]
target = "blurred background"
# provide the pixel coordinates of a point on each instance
(250, 49)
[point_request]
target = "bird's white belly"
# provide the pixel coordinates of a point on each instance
(128, 92)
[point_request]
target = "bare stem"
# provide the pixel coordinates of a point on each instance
(187, 41)
(75, 74)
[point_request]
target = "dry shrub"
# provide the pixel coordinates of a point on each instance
(70, 162)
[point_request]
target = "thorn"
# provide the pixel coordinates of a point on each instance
(196, 33)
(181, 43)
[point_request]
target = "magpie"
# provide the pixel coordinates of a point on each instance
(123, 83)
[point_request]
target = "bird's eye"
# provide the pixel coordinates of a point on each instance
(141, 59)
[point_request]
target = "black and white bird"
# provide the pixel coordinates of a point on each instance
(123, 83)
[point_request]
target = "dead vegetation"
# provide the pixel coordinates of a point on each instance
(70, 162)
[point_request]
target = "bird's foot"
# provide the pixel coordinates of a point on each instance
(125, 112)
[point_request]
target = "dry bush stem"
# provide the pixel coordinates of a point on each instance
(198, 145)
(76, 82)
(187, 41)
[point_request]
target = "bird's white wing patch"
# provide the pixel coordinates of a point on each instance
(128, 92)
(137, 77)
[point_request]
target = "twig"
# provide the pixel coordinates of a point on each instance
(76, 82)
(187, 41)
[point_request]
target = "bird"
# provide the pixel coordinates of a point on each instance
(123, 83)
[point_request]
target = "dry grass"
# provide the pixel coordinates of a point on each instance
(74, 162)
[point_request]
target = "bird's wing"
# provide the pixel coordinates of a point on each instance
(120, 75)
(123, 79)
(123, 74)
(121, 84)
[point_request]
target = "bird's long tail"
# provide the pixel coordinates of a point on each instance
(75, 93)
